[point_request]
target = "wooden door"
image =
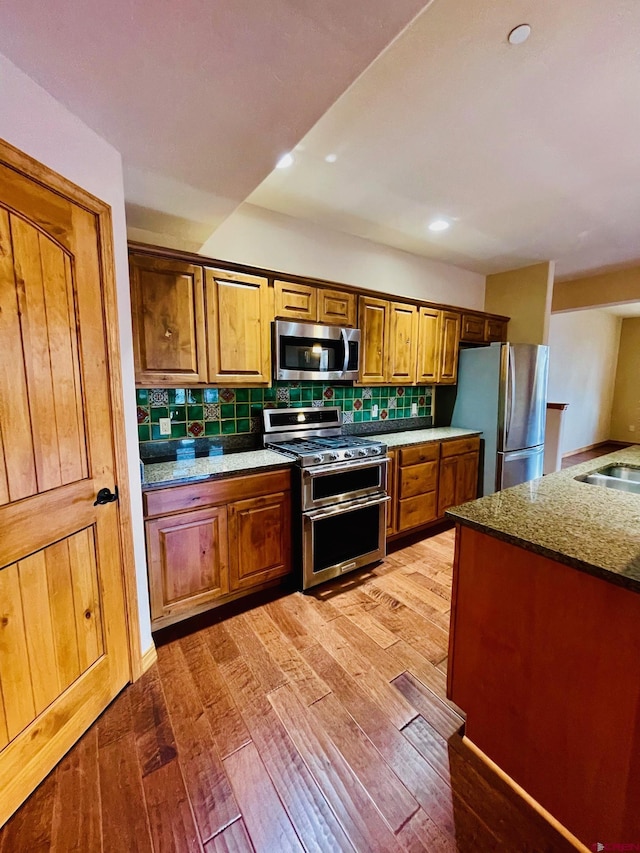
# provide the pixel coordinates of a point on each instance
(403, 343)
(447, 480)
(63, 634)
(428, 360)
(296, 301)
(238, 328)
(450, 339)
(337, 307)
(472, 328)
(467, 481)
(259, 540)
(188, 562)
(167, 302)
(373, 318)
(495, 330)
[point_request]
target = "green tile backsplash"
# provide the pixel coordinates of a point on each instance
(200, 412)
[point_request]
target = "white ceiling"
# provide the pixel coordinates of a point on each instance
(531, 151)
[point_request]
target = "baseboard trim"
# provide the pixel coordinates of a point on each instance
(595, 447)
(554, 822)
(149, 658)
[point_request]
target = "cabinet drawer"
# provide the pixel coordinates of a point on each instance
(416, 511)
(418, 479)
(213, 492)
(461, 445)
(420, 453)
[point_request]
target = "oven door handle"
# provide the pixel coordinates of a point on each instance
(347, 465)
(345, 506)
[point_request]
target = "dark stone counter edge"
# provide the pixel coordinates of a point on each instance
(219, 475)
(608, 575)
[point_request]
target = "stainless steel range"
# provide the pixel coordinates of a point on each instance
(343, 480)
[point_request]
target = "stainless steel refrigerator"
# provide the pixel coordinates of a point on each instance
(502, 390)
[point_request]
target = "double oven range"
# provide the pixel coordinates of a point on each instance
(342, 490)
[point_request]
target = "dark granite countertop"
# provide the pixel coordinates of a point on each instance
(191, 470)
(591, 528)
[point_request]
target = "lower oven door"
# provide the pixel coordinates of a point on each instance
(337, 482)
(346, 537)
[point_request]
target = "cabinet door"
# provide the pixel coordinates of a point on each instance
(337, 307)
(450, 339)
(238, 328)
(260, 540)
(467, 477)
(495, 330)
(373, 318)
(472, 328)
(188, 561)
(296, 301)
(392, 508)
(167, 302)
(403, 343)
(447, 480)
(429, 346)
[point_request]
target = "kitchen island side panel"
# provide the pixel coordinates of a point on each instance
(544, 661)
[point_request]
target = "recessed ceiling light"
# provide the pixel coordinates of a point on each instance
(285, 161)
(519, 34)
(439, 225)
(331, 158)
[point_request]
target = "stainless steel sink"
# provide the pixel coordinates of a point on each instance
(624, 478)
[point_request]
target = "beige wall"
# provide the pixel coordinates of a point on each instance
(31, 120)
(626, 397)
(583, 352)
(613, 288)
(525, 296)
(274, 241)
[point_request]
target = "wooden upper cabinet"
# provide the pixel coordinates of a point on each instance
(238, 314)
(167, 299)
(495, 329)
(480, 329)
(472, 328)
(403, 343)
(450, 339)
(429, 346)
(296, 301)
(337, 307)
(373, 314)
(311, 304)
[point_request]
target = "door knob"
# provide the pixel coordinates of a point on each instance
(106, 496)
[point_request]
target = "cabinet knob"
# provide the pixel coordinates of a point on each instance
(168, 333)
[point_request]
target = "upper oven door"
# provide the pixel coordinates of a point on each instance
(326, 485)
(303, 351)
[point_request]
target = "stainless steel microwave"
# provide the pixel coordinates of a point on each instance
(304, 351)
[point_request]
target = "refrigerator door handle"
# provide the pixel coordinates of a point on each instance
(511, 390)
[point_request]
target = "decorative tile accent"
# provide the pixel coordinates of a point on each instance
(357, 405)
(367, 393)
(227, 394)
(143, 415)
(328, 393)
(282, 395)
(400, 391)
(347, 417)
(384, 414)
(392, 402)
(256, 425)
(159, 397)
(195, 428)
(211, 412)
(421, 401)
(317, 404)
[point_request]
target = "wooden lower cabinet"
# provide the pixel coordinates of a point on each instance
(215, 541)
(260, 540)
(417, 485)
(458, 475)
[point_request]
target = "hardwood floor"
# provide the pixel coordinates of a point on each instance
(587, 455)
(312, 722)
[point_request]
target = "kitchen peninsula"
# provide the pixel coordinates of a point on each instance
(544, 644)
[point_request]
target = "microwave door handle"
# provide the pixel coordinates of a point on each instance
(345, 341)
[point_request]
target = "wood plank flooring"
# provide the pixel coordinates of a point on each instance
(594, 453)
(311, 722)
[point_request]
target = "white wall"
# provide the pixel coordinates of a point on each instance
(34, 122)
(262, 238)
(582, 369)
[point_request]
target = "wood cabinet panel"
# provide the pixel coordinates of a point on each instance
(373, 317)
(429, 346)
(167, 301)
(458, 478)
(417, 479)
(481, 329)
(337, 307)
(392, 491)
(259, 537)
(450, 341)
(296, 301)
(495, 330)
(447, 484)
(472, 328)
(420, 453)
(188, 560)
(460, 445)
(416, 511)
(238, 315)
(402, 343)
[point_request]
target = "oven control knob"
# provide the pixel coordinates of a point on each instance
(348, 454)
(363, 451)
(318, 458)
(376, 451)
(333, 457)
